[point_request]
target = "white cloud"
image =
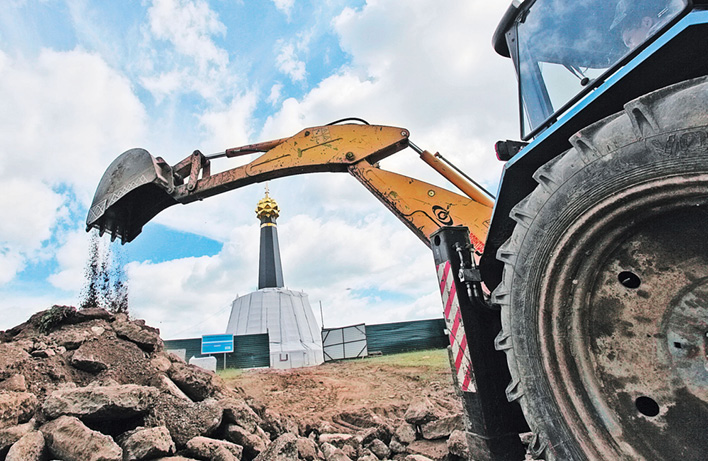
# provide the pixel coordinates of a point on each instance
(164, 83)
(230, 126)
(16, 308)
(289, 64)
(35, 210)
(11, 262)
(189, 296)
(72, 115)
(275, 93)
(71, 257)
(189, 26)
(180, 54)
(427, 66)
(284, 6)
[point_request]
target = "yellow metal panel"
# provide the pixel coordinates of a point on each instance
(423, 207)
(332, 148)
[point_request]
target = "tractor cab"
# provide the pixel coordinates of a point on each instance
(563, 49)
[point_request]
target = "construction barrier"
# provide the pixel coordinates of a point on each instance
(252, 351)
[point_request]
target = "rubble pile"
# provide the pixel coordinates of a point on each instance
(90, 385)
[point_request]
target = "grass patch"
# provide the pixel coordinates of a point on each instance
(434, 359)
(230, 373)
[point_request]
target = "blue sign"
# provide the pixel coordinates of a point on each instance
(217, 344)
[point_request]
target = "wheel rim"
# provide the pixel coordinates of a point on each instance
(624, 320)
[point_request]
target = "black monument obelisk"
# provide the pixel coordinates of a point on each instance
(270, 271)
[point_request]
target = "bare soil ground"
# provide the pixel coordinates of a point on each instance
(336, 392)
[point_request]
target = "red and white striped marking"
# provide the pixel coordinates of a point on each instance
(453, 320)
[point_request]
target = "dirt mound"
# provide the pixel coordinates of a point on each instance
(90, 385)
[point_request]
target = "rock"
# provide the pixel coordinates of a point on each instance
(11, 357)
(332, 453)
(145, 339)
(31, 447)
(198, 384)
(101, 402)
(15, 383)
(43, 353)
(284, 448)
(161, 363)
(350, 451)
(174, 458)
(327, 428)
(185, 420)
(272, 424)
(359, 418)
(12, 434)
(89, 313)
(457, 444)
(16, 407)
(72, 337)
(368, 457)
(441, 428)
(433, 449)
(146, 443)
(236, 411)
(338, 440)
(88, 358)
(253, 443)
(405, 433)
(69, 439)
(417, 458)
(165, 384)
(307, 449)
(214, 450)
(382, 433)
(379, 448)
(396, 446)
(420, 412)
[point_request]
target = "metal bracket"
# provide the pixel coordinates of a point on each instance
(470, 275)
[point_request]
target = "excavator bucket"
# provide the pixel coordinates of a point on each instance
(134, 188)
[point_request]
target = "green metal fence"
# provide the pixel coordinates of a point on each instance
(393, 338)
(250, 351)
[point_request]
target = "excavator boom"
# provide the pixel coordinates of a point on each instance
(137, 186)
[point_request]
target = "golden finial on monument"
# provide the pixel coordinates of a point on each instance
(267, 207)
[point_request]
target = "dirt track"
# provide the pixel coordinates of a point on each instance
(341, 392)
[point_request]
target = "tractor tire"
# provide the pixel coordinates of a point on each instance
(604, 295)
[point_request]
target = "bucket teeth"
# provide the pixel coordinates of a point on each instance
(131, 192)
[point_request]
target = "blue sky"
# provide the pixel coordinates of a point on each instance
(82, 81)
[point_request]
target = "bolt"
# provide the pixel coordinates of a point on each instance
(349, 156)
(307, 133)
(404, 133)
(431, 193)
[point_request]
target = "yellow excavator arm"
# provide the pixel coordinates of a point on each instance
(137, 186)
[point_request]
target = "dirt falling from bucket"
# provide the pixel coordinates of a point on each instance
(106, 284)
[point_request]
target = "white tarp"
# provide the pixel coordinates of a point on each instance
(288, 319)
